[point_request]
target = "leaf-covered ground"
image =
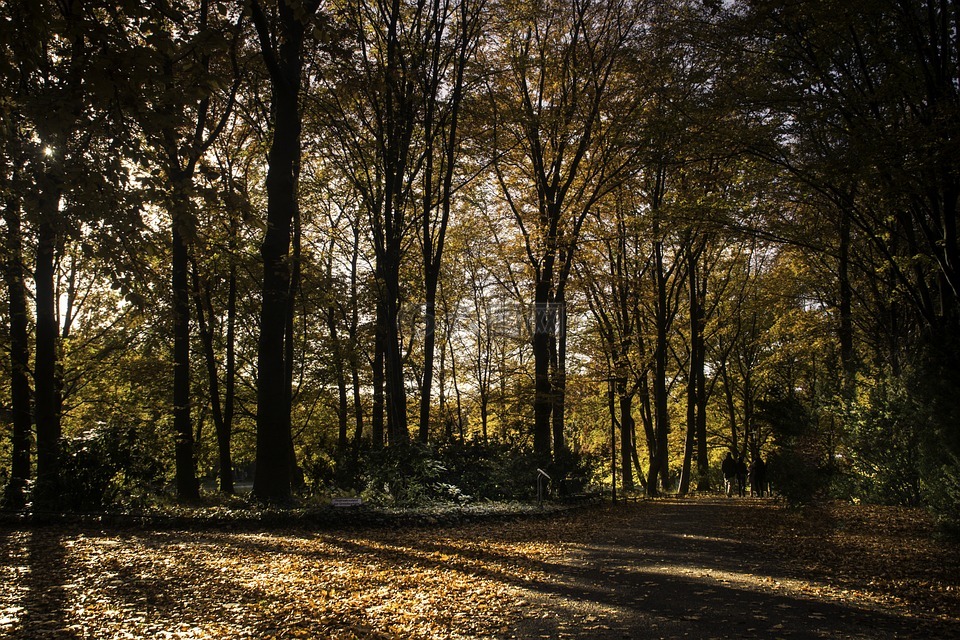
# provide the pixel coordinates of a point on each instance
(701, 568)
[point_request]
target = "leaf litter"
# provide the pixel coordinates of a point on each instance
(467, 581)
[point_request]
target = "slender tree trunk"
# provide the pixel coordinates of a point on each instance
(558, 383)
(186, 475)
(699, 345)
(340, 374)
(297, 480)
(230, 374)
(626, 434)
(377, 418)
(354, 335)
(650, 432)
(543, 391)
(433, 245)
(429, 348)
(731, 407)
(845, 329)
(47, 386)
(703, 462)
(660, 372)
(695, 367)
(14, 494)
(204, 308)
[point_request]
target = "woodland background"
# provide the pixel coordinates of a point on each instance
(416, 249)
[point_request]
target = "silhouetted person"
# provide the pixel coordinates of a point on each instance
(729, 469)
(758, 477)
(741, 477)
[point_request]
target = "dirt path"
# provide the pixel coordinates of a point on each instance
(657, 569)
(687, 569)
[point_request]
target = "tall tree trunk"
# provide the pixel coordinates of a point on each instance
(186, 475)
(230, 374)
(660, 398)
(558, 383)
(340, 375)
(845, 328)
(46, 384)
(354, 336)
(429, 347)
(14, 494)
(543, 392)
(204, 309)
(650, 432)
(703, 462)
(626, 434)
(283, 54)
(434, 242)
(396, 392)
(297, 480)
(694, 370)
(377, 430)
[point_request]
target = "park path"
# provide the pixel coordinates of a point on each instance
(668, 568)
(697, 569)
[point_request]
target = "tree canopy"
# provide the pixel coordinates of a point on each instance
(413, 249)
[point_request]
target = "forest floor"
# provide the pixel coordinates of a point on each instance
(669, 568)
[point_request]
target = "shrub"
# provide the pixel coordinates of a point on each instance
(797, 468)
(105, 466)
(406, 475)
(461, 472)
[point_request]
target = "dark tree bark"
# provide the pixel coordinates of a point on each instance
(377, 430)
(14, 494)
(46, 379)
(204, 310)
(660, 461)
(543, 390)
(186, 474)
(845, 328)
(284, 62)
(627, 426)
(695, 371)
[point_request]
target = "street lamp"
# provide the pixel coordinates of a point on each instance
(612, 382)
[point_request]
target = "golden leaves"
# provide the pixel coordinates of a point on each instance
(473, 581)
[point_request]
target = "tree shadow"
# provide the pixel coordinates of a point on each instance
(44, 596)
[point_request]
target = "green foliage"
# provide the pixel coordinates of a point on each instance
(884, 447)
(454, 471)
(407, 475)
(106, 466)
(490, 470)
(796, 469)
(943, 495)
(937, 390)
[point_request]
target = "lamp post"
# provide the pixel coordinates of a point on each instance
(612, 382)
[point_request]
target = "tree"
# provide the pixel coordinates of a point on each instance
(180, 127)
(445, 90)
(555, 110)
(282, 34)
(73, 145)
(14, 276)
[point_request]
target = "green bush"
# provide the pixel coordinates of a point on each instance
(884, 448)
(797, 468)
(406, 475)
(944, 497)
(796, 475)
(106, 466)
(456, 471)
